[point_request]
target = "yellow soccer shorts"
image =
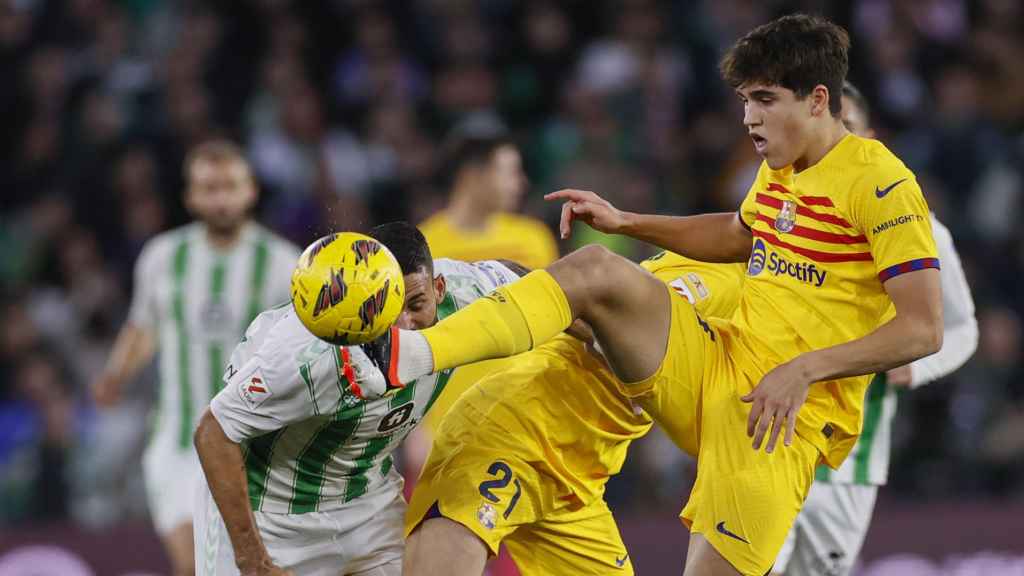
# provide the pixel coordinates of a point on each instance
(489, 480)
(744, 500)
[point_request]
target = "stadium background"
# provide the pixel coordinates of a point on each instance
(343, 107)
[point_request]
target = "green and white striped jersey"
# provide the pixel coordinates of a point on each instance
(198, 300)
(868, 462)
(310, 444)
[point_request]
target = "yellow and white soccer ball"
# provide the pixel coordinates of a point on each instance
(347, 288)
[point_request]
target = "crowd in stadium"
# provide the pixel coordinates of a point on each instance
(345, 109)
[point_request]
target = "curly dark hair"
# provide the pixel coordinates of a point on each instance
(796, 52)
(408, 245)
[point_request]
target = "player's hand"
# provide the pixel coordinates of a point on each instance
(776, 402)
(366, 377)
(597, 212)
(106, 391)
(900, 377)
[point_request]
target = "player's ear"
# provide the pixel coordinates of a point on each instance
(440, 288)
(820, 98)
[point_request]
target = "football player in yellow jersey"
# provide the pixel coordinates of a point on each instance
(480, 223)
(834, 229)
(486, 181)
(523, 456)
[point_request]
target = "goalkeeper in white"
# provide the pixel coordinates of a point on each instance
(298, 468)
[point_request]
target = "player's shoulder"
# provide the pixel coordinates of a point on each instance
(871, 160)
(941, 232)
(523, 224)
(163, 245)
(434, 224)
(274, 241)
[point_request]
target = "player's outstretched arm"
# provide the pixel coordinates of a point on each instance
(915, 332)
(718, 237)
(133, 349)
(225, 474)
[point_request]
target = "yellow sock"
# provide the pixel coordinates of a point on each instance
(510, 320)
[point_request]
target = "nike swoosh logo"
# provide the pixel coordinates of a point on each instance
(721, 528)
(620, 562)
(881, 192)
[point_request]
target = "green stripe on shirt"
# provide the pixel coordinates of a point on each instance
(215, 351)
(256, 280)
(310, 466)
(180, 266)
(258, 454)
(873, 405)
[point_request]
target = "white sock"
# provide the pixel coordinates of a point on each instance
(414, 356)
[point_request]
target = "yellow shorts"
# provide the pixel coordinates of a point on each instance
(744, 500)
(490, 482)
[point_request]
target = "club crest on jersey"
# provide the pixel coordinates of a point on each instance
(254, 390)
(786, 219)
(331, 293)
(364, 249)
(758, 255)
(372, 306)
(487, 516)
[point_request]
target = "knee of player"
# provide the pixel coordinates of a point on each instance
(597, 265)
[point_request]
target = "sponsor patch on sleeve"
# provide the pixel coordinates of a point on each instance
(254, 390)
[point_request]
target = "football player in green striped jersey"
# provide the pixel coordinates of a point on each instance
(195, 290)
(298, 461)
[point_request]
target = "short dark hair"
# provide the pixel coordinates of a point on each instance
(469, 151)
(858, 99)
(408, 245)
(217, 151)
(796, 52)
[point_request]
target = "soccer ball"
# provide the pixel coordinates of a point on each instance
(347, 288)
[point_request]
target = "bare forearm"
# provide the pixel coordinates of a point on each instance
(225, 474)
(133, 349)
(894, 344)
(706, 237)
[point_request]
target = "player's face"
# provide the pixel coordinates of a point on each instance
(220, 193)
(508, 181)
(422, 294)
(778, 122)
(855, 120)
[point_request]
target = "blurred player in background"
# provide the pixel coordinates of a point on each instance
(298, 462)
(487, 183)
(829, 531)
(196, 289)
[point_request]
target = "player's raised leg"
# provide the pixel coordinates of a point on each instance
(443, 546)
(626, 306)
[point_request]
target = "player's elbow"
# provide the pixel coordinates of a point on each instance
(928, 336)
(205, 431)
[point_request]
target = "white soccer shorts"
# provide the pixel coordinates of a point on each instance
(170, 473)
(828, 533)
(362, 538)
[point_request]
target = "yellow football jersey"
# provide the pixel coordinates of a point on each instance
(506, 236)
(824, 242)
